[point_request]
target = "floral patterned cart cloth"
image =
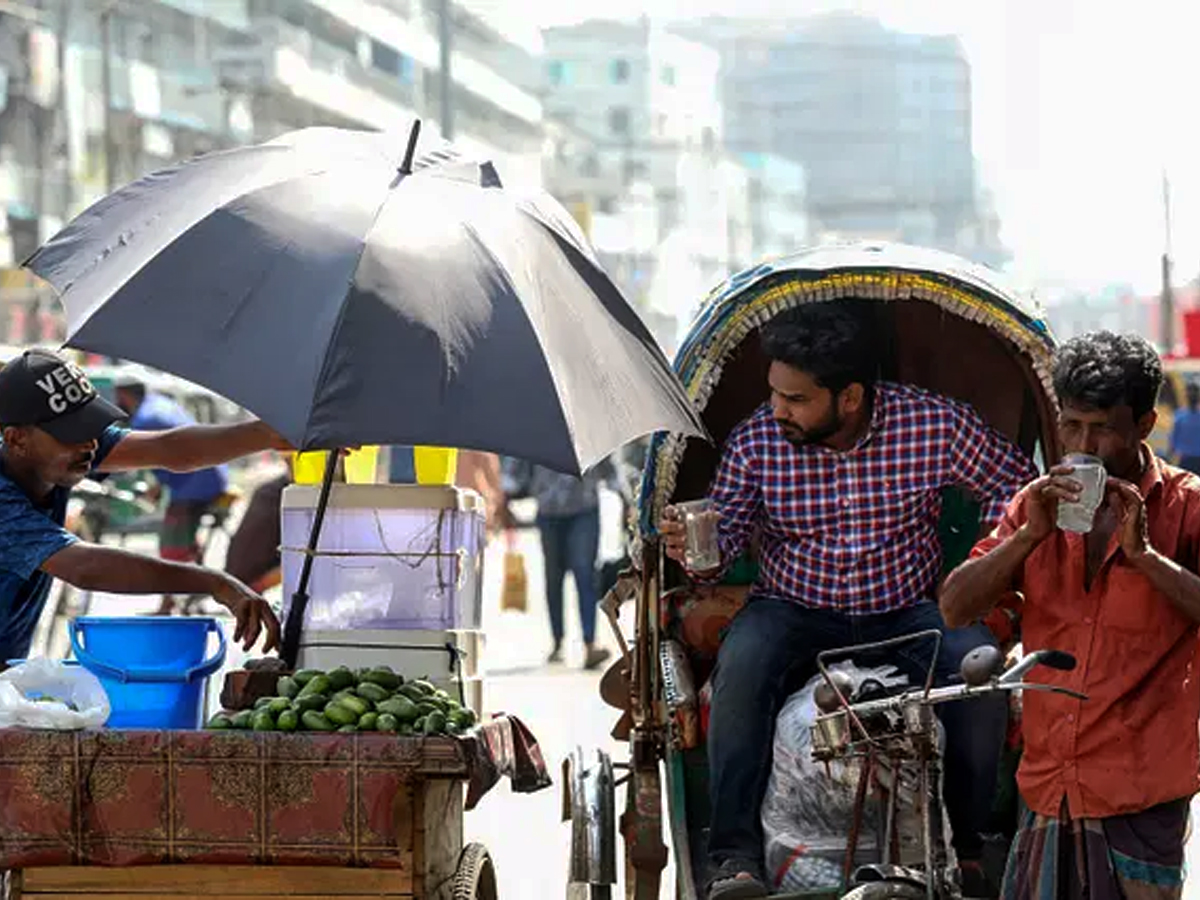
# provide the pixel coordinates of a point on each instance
(148, 797)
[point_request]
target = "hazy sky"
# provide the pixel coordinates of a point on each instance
(1079, 106)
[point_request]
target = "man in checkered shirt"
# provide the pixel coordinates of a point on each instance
(841, 477)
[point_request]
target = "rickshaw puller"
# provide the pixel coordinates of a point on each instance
(843, 476)
(1106, 781)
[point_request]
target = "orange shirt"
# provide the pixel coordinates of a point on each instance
(1133, 743)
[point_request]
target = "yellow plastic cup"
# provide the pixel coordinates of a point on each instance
(435, 465)
(309, 468)
(360, 465)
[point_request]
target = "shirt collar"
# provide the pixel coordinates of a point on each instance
(879, 402)
(1152, 477)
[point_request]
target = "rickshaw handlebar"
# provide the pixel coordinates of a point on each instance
(1011, 680)
(1051, 659)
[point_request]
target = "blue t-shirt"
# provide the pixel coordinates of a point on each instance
(158, 413)
(29, 535)
(1185, 434)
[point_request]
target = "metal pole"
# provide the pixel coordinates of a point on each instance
(445, 82)
(1167, 302)
(44, 139)
(62, 119)
(110, 157)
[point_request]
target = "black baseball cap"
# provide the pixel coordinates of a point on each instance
(41, 388)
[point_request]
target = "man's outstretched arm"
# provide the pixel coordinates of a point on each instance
(93, 567)
(191, 447)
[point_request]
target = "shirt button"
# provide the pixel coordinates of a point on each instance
(1087, 620)
(1070, 717)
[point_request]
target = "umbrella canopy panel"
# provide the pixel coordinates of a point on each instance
(347, 304)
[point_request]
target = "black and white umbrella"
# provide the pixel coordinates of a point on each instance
(348, 295)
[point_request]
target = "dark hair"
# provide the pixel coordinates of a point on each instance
(833, 341)
(1192, 392)
(1102, 370)
(135, 389)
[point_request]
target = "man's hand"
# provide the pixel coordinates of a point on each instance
(674, 535)
(503, 518)
(1044, 495)
(252, 613)
(1127, 504)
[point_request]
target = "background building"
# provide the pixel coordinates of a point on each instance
(687, 151)
(93, 95)
(648, 97)
(880, 120)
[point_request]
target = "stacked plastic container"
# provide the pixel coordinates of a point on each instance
(397, 580)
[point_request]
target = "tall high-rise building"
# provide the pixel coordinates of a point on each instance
(881, 121)
(648, 98)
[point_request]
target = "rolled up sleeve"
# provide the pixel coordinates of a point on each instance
(30, 537)
(988, 464)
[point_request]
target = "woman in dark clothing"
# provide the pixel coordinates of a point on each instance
(568, 520)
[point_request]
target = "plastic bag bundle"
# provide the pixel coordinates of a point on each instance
(808, 809)
(50, 694)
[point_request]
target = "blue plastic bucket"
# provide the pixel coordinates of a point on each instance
(152, 668)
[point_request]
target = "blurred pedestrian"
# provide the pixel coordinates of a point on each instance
(190, 495)
(568, 521)
(1185, 432)
(254, 555)
(481, 473)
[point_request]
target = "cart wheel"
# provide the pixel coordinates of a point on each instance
(476, 876)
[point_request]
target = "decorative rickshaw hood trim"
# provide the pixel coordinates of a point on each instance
(869, 270)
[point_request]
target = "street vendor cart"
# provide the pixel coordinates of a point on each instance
(246, 814)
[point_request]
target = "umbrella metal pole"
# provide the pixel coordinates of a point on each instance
(294, 626)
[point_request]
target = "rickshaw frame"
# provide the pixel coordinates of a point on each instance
(860, 270)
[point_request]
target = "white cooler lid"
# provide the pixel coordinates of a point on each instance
(385, 496)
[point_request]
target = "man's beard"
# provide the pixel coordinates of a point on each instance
(819, 434)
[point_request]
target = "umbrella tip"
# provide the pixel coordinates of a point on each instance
(406, 166)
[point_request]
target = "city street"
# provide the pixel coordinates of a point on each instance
(560, 703)
(841, 254)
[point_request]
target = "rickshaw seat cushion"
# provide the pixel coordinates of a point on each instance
(743, 572)
(697, 615)
(958, 526)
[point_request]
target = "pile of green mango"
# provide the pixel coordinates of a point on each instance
(346, 701)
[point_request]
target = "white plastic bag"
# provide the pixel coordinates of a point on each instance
(808, 808)
(24, 689)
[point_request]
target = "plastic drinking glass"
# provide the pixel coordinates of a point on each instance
(1089, 472)
(703, 551)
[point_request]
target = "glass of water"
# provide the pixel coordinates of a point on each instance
(1089, 472)
(703, 550)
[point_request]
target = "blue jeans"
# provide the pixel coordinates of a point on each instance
(770, 651)
(571, 544)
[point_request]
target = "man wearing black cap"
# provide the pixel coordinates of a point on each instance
(56, 430)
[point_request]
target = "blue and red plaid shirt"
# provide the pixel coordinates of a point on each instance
(856, 531)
